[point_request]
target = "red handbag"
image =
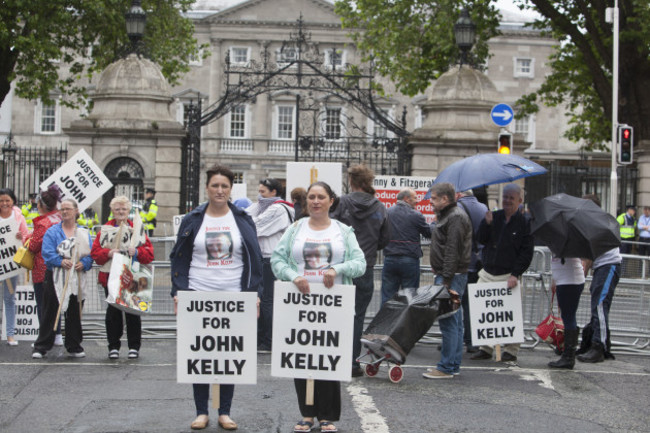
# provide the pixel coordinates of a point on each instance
(551, 329)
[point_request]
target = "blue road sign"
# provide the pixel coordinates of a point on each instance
(502, 114)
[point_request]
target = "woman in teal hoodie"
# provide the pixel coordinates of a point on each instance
(318, 250)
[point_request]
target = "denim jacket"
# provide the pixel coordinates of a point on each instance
(181, 255)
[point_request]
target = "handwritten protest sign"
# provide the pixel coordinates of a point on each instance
(495, 313)
(8, 247)
(312, 334)
(26, 328)
(81, 179)
(217, 337)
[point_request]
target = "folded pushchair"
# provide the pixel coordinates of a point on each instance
(399, 324)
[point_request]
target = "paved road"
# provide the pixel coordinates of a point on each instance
(96, 395)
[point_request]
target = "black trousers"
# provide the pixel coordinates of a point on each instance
(327, 399)
(46, 333)
(115, 327)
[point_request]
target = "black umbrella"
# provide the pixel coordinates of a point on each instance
(574, 227)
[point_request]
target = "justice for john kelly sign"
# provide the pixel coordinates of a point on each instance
(217, 337)
(312, 333)
(26, 328)
(8, 247)
(495, 313)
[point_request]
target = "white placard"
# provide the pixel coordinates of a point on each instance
(176, 223)
(26, 328)
(303, 174)
(312, 334)
(81, 179)
(217, 337)
(8, 247)
(495, 313)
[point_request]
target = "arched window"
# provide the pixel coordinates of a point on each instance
(126, 174)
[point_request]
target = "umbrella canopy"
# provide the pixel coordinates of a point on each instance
(574, 227)
(487, 169)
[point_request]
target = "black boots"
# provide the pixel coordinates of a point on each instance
(596, 353)
(568, 358)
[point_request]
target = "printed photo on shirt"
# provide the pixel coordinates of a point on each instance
(317, 255)
(218, 245)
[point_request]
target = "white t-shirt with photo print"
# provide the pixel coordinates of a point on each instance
(217, 260)
(315, 251)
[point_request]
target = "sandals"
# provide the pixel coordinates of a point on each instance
(303, 423)
(328, 424)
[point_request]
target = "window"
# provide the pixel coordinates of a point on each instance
(239, 177)
(237, 123)
(332, 123)
(378, 130)
(524, 67)
(334, 57)
(196, 59)
(239, 55)
(521, 125)
(47, 118)
(284, 122)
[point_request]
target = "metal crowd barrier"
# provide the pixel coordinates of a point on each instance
(629, 315)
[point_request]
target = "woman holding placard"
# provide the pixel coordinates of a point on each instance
(292, 261)
(46, 203)
(66, 253)
(196, 266)
(9, 212)
(116, 237)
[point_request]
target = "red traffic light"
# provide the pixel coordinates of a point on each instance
(626, 133)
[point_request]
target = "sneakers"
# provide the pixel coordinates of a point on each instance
(11, 341)
(81, 354)
(437, 374)
(37, 355)
(455, 373)
(113, 354)
(58, 340)
(133, 354)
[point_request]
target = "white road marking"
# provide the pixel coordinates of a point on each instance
(544, 377)
(364, 406)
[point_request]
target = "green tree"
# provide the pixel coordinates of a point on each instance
(51, 46)
(411, 41)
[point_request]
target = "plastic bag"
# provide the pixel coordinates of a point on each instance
(130, 288)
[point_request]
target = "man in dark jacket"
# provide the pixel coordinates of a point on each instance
(403, 252)
(451, 248)
(507, 252)
(475, 210)
(362, 211)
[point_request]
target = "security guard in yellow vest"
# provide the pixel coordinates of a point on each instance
(30, 211)
(149, 211)
(89, 219)
(627, 221)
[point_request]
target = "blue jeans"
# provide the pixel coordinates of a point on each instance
(399, 271)
(202, 394)
(568, 298)
(265, 322)
(10, 305)
(451, 353)
(603, 284)
(364, 287)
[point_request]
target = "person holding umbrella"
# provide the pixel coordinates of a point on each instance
(507, 253)
(606, 273)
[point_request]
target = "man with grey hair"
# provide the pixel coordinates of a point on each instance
(403, 252)
(507, 252)
(451, 247)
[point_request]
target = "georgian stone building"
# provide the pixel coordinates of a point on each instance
(257, 137)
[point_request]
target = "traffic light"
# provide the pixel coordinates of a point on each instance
(625, 144)
(504, 144)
